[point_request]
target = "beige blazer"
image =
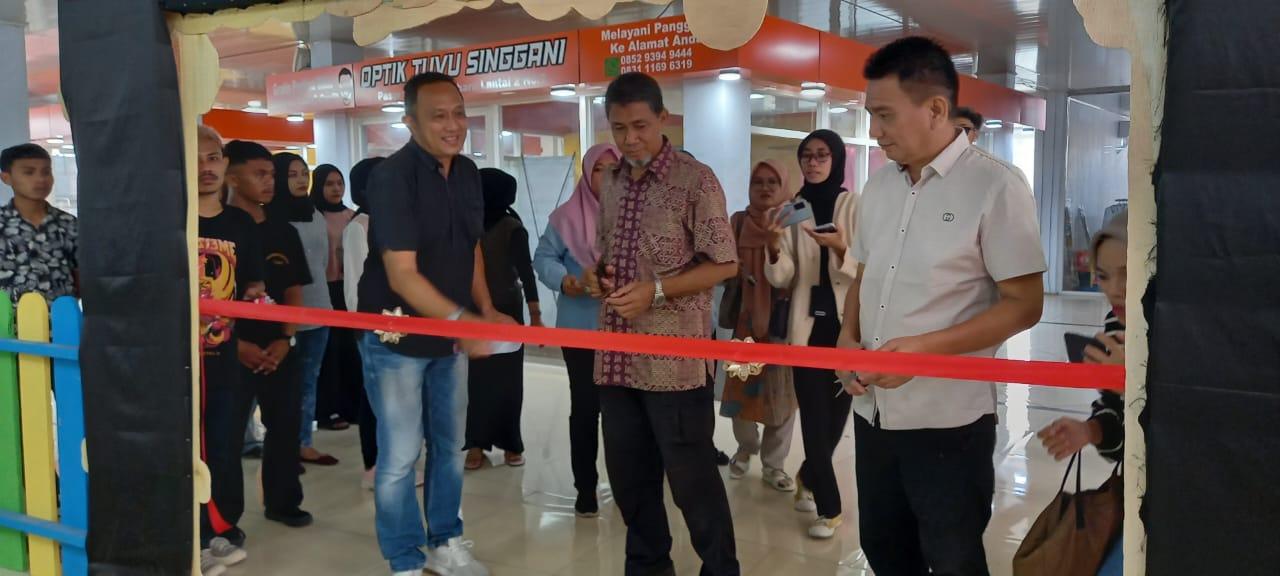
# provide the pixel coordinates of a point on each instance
(799, 272)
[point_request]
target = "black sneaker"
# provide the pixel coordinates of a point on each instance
(722, 459)
(296, 518)
(586, 506)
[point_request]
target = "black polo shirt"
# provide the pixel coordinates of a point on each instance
(284, 266)
(414, 208)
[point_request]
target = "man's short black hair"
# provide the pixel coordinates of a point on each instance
(922, 66)
(26, 151)
(240, 151)
(634, 87)
(971, 115)
(416, 83)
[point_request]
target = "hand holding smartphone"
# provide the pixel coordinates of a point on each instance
(794, 213)
(1076, 344)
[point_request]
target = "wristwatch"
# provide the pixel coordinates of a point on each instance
(456, 314)
(659, 297)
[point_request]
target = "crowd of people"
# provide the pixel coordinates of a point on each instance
(939, 254)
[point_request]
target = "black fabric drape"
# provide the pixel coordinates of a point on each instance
(120, 85)
(1212, 418)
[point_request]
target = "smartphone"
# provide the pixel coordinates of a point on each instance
(828, 228)
(794, 213)
(1076, 344)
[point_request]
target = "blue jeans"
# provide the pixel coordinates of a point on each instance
(1113, 564)
(416, 399)
(310, 351)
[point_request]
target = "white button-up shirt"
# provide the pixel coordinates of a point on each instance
(933, 252)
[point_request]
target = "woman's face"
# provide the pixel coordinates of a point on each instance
(766, 188)
(598, 172)
(299, 178)
(1112, 272)
(334, 188)
(815, 161)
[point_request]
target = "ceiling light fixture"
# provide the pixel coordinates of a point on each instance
(813, 89)
(394, 108)
(993, 123)
(311, 146)
(598, 100)
(251, 109)
(564, 90)
(295, 118)
(731, 74)
(291, 148)
(55, 140)
(68, 147)
(839, 109)
(506, 133)
(757, 96)
(398, 125)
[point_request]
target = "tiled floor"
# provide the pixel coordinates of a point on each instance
(522, 521)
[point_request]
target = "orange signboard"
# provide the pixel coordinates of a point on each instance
(318, 90)
(655, 47)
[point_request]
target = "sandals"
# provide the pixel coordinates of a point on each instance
(322, 460)
(513, 459)
(778, 480)
(475, 459)
(739, 466)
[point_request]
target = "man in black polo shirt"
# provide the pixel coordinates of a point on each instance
(268, 369)
(424, 260)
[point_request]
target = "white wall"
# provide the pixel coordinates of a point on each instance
(717, 129)
(15, 123)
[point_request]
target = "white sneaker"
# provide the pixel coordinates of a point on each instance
(226, 553)
(407, 573)
(454, 559)
(209, 566)
(824, 528)
(739, 466)
(804, 500)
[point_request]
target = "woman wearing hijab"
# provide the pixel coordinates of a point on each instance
(817, 269)
(496, 383)
(769, 397)
(291, 201)
(337, 393)
(355, 248)
(566, 249)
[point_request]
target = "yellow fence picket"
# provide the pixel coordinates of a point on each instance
(35, 381)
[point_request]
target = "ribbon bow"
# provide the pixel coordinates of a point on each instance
(390, 337)
(743, 370)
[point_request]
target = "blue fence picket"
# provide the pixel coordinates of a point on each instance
(73, 477)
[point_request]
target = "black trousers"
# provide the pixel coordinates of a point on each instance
(645, 434)
(584, 418)
(495, 400)
(924, 497)
(223, 439)
(368, 433)
(823, 416)
(279, 397)
(341, 380)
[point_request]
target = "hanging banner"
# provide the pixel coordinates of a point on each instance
(318, 90)
(655, 47)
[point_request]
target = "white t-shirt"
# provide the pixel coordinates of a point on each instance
(933, 254)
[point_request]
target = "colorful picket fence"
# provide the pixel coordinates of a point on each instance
(44, 503)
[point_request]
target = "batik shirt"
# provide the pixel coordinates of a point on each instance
(40, 259)
(669, 220)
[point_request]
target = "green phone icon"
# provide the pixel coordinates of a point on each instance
(613, 66)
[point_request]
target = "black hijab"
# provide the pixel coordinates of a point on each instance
(822, 196)
(499, 194)
(285, 206)
(318, 178)
(360, 174)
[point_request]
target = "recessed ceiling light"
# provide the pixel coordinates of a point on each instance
(839, 109)
(396, 108)
(731, 74)
(55, 140)
(993, 123)
(564, 90)
(478, 154)
(254, 110)
(506, 133)
(68, 147)
(813, 89)
(757, 96)
(255, 103)
(291, 148)
(295, 118)
(598, 100)
(398, 125)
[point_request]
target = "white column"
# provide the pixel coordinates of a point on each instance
(717, 129)
(331, 45)
(15, 122)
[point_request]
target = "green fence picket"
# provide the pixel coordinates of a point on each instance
(13, 544)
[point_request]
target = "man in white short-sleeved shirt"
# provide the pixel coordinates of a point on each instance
(951, 264)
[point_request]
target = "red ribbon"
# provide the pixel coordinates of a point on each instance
(1056, 374)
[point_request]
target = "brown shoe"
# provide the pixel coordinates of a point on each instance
(475, 459)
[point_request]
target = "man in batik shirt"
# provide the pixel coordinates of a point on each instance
(666, 240)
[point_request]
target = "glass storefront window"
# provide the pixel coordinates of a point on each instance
(773, 110)
(1096, 178)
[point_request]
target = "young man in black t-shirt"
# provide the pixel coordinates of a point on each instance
(230, 268)
(268, 370)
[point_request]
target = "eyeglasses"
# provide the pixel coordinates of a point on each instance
(807, 157)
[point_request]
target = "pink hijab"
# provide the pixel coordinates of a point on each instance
(575, 220)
